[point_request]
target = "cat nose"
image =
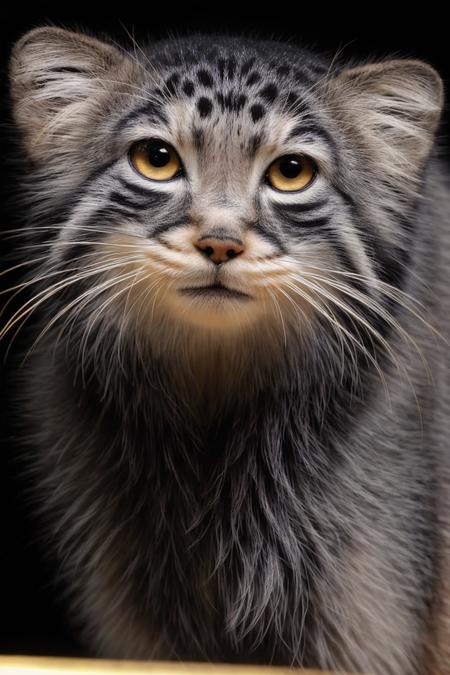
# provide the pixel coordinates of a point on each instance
(220, 250)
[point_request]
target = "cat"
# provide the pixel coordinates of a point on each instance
(237, 384)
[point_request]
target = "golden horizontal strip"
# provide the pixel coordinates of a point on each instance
(28, 665)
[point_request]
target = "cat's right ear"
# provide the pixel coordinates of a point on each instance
(54, 74)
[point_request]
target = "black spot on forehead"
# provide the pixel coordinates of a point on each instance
(241, 101)
(247, 66)
(283, 70)
(188, 87)
(270, 71)
(205, 78)
(253, 144)
(198, 137)
(221, 68)
(172, 83)
(232, 101)
(292, 100)
(231, 67)
(204, 106)
(252, 79)
(269, 92)
(257, 112)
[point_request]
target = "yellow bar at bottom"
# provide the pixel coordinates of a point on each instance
(28, 665)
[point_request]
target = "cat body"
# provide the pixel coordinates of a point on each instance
(238, 392)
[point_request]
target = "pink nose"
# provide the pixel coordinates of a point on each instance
(219, 250)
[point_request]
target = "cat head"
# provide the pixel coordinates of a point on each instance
(220, 185)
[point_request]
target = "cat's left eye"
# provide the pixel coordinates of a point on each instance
(291, 173)
(155, 159)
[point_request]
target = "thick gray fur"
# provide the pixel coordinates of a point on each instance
(259, 482)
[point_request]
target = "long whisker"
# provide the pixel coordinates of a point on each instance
(99, 288)
(280, 314)
(373, 306)
(30, 305)
(324, 312)
(22, 264)
(97, 318)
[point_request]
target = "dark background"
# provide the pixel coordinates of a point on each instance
(31, 621)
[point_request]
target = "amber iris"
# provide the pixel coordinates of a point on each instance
(155, 159)
(291, 172)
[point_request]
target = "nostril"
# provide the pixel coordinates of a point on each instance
(219, 250)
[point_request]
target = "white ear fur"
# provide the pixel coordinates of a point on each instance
(53, 73)
(398, 104)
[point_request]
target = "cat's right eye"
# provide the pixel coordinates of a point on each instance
(155, 159)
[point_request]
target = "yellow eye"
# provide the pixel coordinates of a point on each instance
(155, 159)
(291, 172)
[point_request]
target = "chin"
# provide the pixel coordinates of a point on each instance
(215, 308)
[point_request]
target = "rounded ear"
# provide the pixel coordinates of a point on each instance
(398, 103)
(53, 73)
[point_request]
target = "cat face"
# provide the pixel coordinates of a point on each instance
(221, 187)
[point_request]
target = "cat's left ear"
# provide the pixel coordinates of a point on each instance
(396, 104)
(56, 77)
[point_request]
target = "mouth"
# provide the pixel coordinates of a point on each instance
(215, 291)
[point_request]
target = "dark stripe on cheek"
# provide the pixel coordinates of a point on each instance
(164, 227)
(289, 209)
(347, 265)
(390, 268)
(83, 188)
(153, 199)
(60, 215)
(135, 189)
(103, 219)
(312, 223)
(269, 236)
(295, 222)
(122, 200)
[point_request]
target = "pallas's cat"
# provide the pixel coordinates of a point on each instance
(237, 387)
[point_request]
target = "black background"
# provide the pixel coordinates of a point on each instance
(30, 618)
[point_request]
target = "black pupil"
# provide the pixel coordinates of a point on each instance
(290, 166)
(158, 154)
